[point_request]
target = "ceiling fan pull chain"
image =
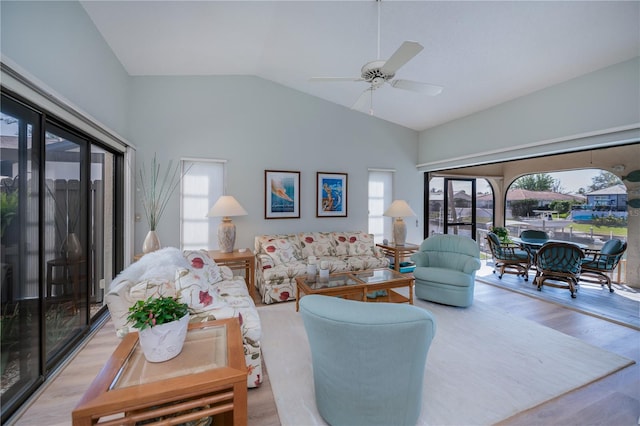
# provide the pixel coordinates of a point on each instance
(371, 108)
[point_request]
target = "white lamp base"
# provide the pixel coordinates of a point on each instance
(399, 231)
(226, 235)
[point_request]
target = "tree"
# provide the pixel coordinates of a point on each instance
(537, 182)
(603, 180)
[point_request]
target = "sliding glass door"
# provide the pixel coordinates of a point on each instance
(65, 238)
(19, 253)
(61, 210)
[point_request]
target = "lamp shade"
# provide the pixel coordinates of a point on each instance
(226, 206)
(399, 208)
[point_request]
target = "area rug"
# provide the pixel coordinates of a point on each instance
(484, 365)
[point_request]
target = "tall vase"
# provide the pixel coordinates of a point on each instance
(71, 247)
(151, 242)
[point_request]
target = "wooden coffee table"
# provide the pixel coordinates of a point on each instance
(357, 284)
(207, 379)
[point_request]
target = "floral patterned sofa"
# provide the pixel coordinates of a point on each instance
(281, 258)
(210, 290)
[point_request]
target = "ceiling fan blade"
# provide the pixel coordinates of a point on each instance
(405, 52)
(415, 86)
(331, 79)
(365, 97)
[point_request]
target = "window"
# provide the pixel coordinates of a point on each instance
(380, 197)
(60, 218)
(202, 185)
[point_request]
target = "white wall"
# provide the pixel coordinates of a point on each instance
(605, 99)
(57, 43)
(258, 125)
(254, 124)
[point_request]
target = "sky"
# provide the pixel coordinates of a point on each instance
(570, 181)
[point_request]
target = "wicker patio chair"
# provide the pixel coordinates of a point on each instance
(558, 265)
(597, 264)
(509, 258)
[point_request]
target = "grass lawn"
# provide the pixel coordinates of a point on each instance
(617, 231)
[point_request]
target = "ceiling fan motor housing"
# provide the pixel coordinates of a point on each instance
(372, 73)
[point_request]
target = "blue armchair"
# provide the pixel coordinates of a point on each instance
(446, 268)
(368, 359)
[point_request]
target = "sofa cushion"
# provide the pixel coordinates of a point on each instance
(193, 289)
(444, 276)
(280, 273)
(281, 250)
(316, 244)
(200, 261)
(336, 264)
(341, 242)
(361, 244)
(152, 287)
(361, 263)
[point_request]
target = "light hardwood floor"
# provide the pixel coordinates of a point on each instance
(613, 400)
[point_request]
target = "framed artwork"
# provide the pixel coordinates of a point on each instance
(331, 195)
(281, 194)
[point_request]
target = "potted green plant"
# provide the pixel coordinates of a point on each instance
(8, 210)
(501, 232)
(162, 323)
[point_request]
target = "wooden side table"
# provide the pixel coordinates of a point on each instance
(398, 253)
(238, 260)
(208, 378)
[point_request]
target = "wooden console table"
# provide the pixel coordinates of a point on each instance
(238, 260)
(207, 379)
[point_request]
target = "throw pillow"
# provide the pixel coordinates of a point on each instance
(200, 261)
(153, 287)
(280, 250)
(193, 289)
(316, 244)
(361, 244)
(341, 241)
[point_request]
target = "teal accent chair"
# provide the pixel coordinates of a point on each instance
(368, 359)
(509, 258)
(597, 264)
(446, 268)
(559, 262)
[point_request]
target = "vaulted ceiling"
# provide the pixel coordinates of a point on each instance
(482, 53)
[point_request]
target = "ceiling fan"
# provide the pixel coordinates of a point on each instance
(379, 72)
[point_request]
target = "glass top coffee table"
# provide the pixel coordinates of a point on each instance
(207, 379)
(357, 285)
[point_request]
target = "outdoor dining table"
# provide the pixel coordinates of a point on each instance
(536, 243)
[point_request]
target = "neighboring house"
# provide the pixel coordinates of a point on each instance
(612, 198)
(611, 201)
(544, 198)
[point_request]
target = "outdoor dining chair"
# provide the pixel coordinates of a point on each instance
(558, 265)
(597, 264)
(509, 258)
(533, 235)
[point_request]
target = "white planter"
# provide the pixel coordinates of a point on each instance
(164, 341)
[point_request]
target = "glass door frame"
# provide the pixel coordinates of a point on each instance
(448, 194)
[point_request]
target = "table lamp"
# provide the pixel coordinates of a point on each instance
(398, 210)
(225, 207)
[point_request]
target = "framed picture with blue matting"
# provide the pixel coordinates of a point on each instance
(281, 194)
(331, 195)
